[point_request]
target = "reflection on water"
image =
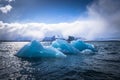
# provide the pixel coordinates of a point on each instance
(104, 64)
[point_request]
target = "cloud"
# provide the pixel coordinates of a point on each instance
(102, 22)
(79, 28)
(6, 9)
(109, 11)
(10, 0)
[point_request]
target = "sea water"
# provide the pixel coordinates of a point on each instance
(104, 64)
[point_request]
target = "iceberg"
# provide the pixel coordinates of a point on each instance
(36, 50)
(81, 45)
(64, 47)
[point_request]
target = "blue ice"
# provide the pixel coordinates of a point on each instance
(34, 49)
(64, 46)
(81, 45)
(87, 51)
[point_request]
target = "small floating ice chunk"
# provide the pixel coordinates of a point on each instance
(81, 45)
(91, 47)
(64, 46)
(87, 51)
(36, 50)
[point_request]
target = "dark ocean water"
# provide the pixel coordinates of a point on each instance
(102, 65)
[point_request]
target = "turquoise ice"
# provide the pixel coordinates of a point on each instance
(36, 50)
(81, 45)
(64, 46)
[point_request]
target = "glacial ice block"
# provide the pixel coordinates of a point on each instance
(49, 51)
(64, 46)
(36, 50)
(81, 45)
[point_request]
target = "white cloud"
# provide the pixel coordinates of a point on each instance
(6, 8)
(89, 29)
(98, 24)
(10, 0)
(109, 11)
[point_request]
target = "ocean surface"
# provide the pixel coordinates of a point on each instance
(101, 65)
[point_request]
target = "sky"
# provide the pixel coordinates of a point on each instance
(36, 19)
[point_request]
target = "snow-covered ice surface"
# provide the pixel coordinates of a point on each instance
(64, 47)
(103, 65)
(34, 49)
